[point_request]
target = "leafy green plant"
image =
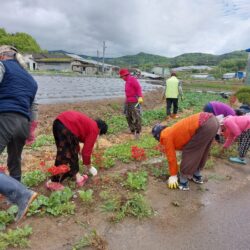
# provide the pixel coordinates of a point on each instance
(57, 204)
(15, 238)
(6, 217)
(34, 178)
(137, 180)
(86, 196)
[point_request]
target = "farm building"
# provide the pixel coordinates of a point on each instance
(91, 67)
(58, 62)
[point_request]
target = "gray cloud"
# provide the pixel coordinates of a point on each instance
(164, 27)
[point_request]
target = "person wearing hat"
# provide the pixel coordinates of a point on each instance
(172, 92)
(69, 129)
(17, 94)
(193, 136)
(133, 102)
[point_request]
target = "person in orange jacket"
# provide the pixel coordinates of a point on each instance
(193, 136)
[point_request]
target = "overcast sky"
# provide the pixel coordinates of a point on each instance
(162, 27)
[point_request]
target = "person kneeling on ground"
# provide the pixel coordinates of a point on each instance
(237, 127)
(17, 194)
(192, 135)
(69, 129)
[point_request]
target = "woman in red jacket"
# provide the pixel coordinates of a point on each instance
(193, 136)
(69, 129)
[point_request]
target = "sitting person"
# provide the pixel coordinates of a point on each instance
(192, 135)
(69, 129)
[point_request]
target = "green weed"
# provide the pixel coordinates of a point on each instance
(15, 238)
(91, 239)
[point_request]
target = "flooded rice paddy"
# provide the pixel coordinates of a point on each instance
(65, 89)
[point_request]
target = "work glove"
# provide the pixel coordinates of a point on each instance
(31, 138)
(182, 98)
(93, 171)
(173, 182)
(140, 100)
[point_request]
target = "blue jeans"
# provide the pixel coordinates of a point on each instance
(14, 190)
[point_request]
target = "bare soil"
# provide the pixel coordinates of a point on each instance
(172, 207)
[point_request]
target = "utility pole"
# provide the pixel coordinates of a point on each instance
(103, 55)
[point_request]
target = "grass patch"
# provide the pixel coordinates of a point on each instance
(15, 238)
(135, 206)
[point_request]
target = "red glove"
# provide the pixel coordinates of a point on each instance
(31, 139)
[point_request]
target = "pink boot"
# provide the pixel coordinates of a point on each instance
(82, 180)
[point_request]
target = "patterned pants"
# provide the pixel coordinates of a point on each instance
(244, 143)
(67, 150)
(133, 116)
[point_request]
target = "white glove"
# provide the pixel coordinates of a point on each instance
(173, 182)
(93, 171)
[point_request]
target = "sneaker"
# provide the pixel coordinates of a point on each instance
(24, 206)
(184, 186)
(82, 180)
(54, 186)
(237, 160)
(197, 179)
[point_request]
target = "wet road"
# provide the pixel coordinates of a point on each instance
(58, 89)
(223, 225)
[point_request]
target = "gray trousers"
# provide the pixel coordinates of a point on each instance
(14, 130)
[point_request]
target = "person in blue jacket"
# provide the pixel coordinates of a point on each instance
(17, 94)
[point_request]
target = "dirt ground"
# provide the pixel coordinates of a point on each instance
(171, 207)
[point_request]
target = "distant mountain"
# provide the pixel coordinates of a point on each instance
(144, 60)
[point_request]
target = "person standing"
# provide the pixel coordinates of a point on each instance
(237, 127)
(193, 136)
(173, 91)
(17, 94)
(69, 129)
(133, 102)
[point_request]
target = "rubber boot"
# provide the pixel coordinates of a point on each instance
(17, 194)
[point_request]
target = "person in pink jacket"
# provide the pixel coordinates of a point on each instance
(133, 102)
(237, 127)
